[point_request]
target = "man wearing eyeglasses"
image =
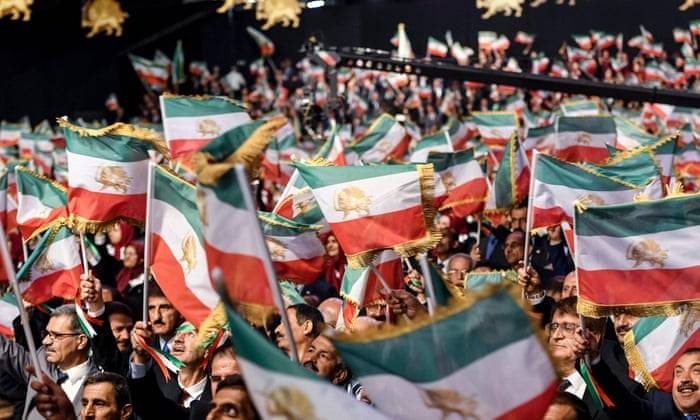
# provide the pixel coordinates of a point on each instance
(457, 268)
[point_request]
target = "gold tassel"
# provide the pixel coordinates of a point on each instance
(361, 260)
(211, 325)
(582, 203)
(211, 173)
(80, 224)
(593, 310)
(677, 190)
(254, 313)
(636, 362)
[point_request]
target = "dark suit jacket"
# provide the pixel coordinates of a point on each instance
(152, 403)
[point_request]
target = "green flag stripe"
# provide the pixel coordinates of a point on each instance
(223, 146)
(645, 326)
(444, 160)
(275, 225)
(376, 132)
(109, 147)
(189, 107)
(321, 176)
(495, 119)
(593, 125)
(553, 172)
(44, 190)
(179, 194)
(228, 190)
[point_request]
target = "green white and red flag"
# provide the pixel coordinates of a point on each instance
(404, 48)
(472, 367)
(630, 135)
(40, 202)
(501, 43)
(153, 75)
(635, 41)
(438, 142)
(583, 41)
(8, 204)
(559, 187)
(283, 148)
(681, 36)
(695, 26)
(512, 180)
(333, 150)
(691, 67)
(495, 127)
(177, 70)
(385, 139)
(10, 133)
(178, 260)
(190, 123)
(605, 41)
(485, 39)
(654, 345)
(374, 207)
(296, 249)
(461, 53)
(436, 48)
(297, 203)
(653, 49)
(577, 54)
(540, 139)
(584, 139)
(579, 108)
(687, 161)
(460, 186)
(638, 257)
(460, 133)
(524, 38)
(652, 72)
(267, 47)
(107, 173)
(664, 151)
(8, 312)
(53, 269)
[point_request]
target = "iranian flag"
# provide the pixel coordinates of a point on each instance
(10, 133)
(40, 202)
(375, 207)
(681, 36)
(8, 313)
(267, 47)
(524, 38)
(297, 203)
(655, 343)
(385, 139)
(584, 139)
(461, 187)
(281, 388)
(485, 39)
(687, 161)
(557, 187)
(540, 139)
(178, 260)
(53, 269)
(8, 204)
(439, 142)
(481, 360)
(153, 75)
(638, 256)
(436, 48)
(630, 135)
(282, 149)
(296, 250)
(107, 173)
(189, 122)
(580, 108)
(460, 132)
(583, 41)
(695, 26)
(333, 150)
(495, 128)
(512, 180)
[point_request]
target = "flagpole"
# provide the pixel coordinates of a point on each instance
(24, 317)
(427, 279)
(267, 263)
(526, 262)
(385, 285)
(147, 240)
(83, 253)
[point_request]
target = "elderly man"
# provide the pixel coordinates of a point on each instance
(457, 268)
(306, 323)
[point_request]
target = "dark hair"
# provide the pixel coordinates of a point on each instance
(121, 387)
(566, 306)
(305, 313)
(579, 407)
(154, 290)
(233, 381)
(690, 350)
(112, 308)
(225, 348)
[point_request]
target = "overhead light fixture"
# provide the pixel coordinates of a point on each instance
(315, 3)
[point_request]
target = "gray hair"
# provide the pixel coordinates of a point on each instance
(68, 310)
(460, 255)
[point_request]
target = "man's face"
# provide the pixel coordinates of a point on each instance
(561, 339)
(231, 403)
(185, 347)
(164, 317)
(686, 383)
(569, 288)
(100, 403)
(376, 310)
(443, 222)
(297, 331)
(222, 366)
(518, 218)
(121, 326)
(64, 346)
(322, 358)
(457, 269)
(623, 322)
(514, 248)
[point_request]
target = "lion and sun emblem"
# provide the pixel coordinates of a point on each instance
(351, 200)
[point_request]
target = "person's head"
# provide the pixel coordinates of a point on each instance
(686, 382)
(332, 247)
(448, 244)
(365, 323)
(133, 255)
(306, 323)
(514, 248)
(518, 218)
(457, 268)
(566, 406)
(443, 222)
(330, 309)
(185, 347)
(376, 310)
(562, 330)
(322, 358)
(162, 314)
(121, 321)
(223, 365)
(120, 233)
(65, 343)
(623, 322)
(569, 288)
(106, 397)
(232, 401)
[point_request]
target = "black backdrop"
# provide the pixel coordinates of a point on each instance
(48, 68)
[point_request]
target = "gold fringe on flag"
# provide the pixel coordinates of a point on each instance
(80, 224)
(169, 95)
(636, 363)
(254, 313)
(291, 225)
(209, 328)
(646, 309)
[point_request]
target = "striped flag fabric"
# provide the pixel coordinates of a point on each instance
(10, 133)
(460, 132)
(190, 123)
(584, 139)
(485, 39)
(178, 261)
(107, 173)
(461, 187)
(283, 148)
(694, 26)
(333, 150)
(375, 207)
(481, 360)
(439, 142)
(177, 70)
(540, 139)
(654, 344)
(476, 281)
(630, 135)
(267, 47)
(583, 41)
(385, 139)
(495, 127)
(579, 108)
(512, 181)
(281, 388)
(40, 202)
(558, 187)
(524, 38)
(8, 203)
(153, 75)
(297, 203)
(436, 48)
(296, 250)
(8, 312)
(631, 256)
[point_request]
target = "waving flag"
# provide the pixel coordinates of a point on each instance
(495, 128)
(512, 180)
(584, 139)
(524, 38)
(179, 263)
(436, 48)
(655, 343)
(267, 47)
(107, 173)
(460, 132)
(177, 70)
(8, 204)
(469, 347)
(630, 135)
(438, 142)
(40, 202)
(190, 123)
(385, 139)
(579, 108)
(461, 187)
(10, 133)
(8, 312)
(283, 148)
(153, 75)
(633, 256)
(375, 207)
(333, 150)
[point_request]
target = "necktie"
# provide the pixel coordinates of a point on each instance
(564, 385)
(183, 397)
(166, 349)
(61, 378)
(691, 417)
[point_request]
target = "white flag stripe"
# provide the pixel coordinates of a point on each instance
(240, 221)
(567, 139)
(305, 246)
(547, 196)
(172, 226)
(600, 252)
(30, 207)
(385, 145)
(188, 128)
(62, 255)
(662, 343)
(386, 194)
(84, 170)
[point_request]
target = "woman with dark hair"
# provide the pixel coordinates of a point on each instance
(133, 267)
(335, 262)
